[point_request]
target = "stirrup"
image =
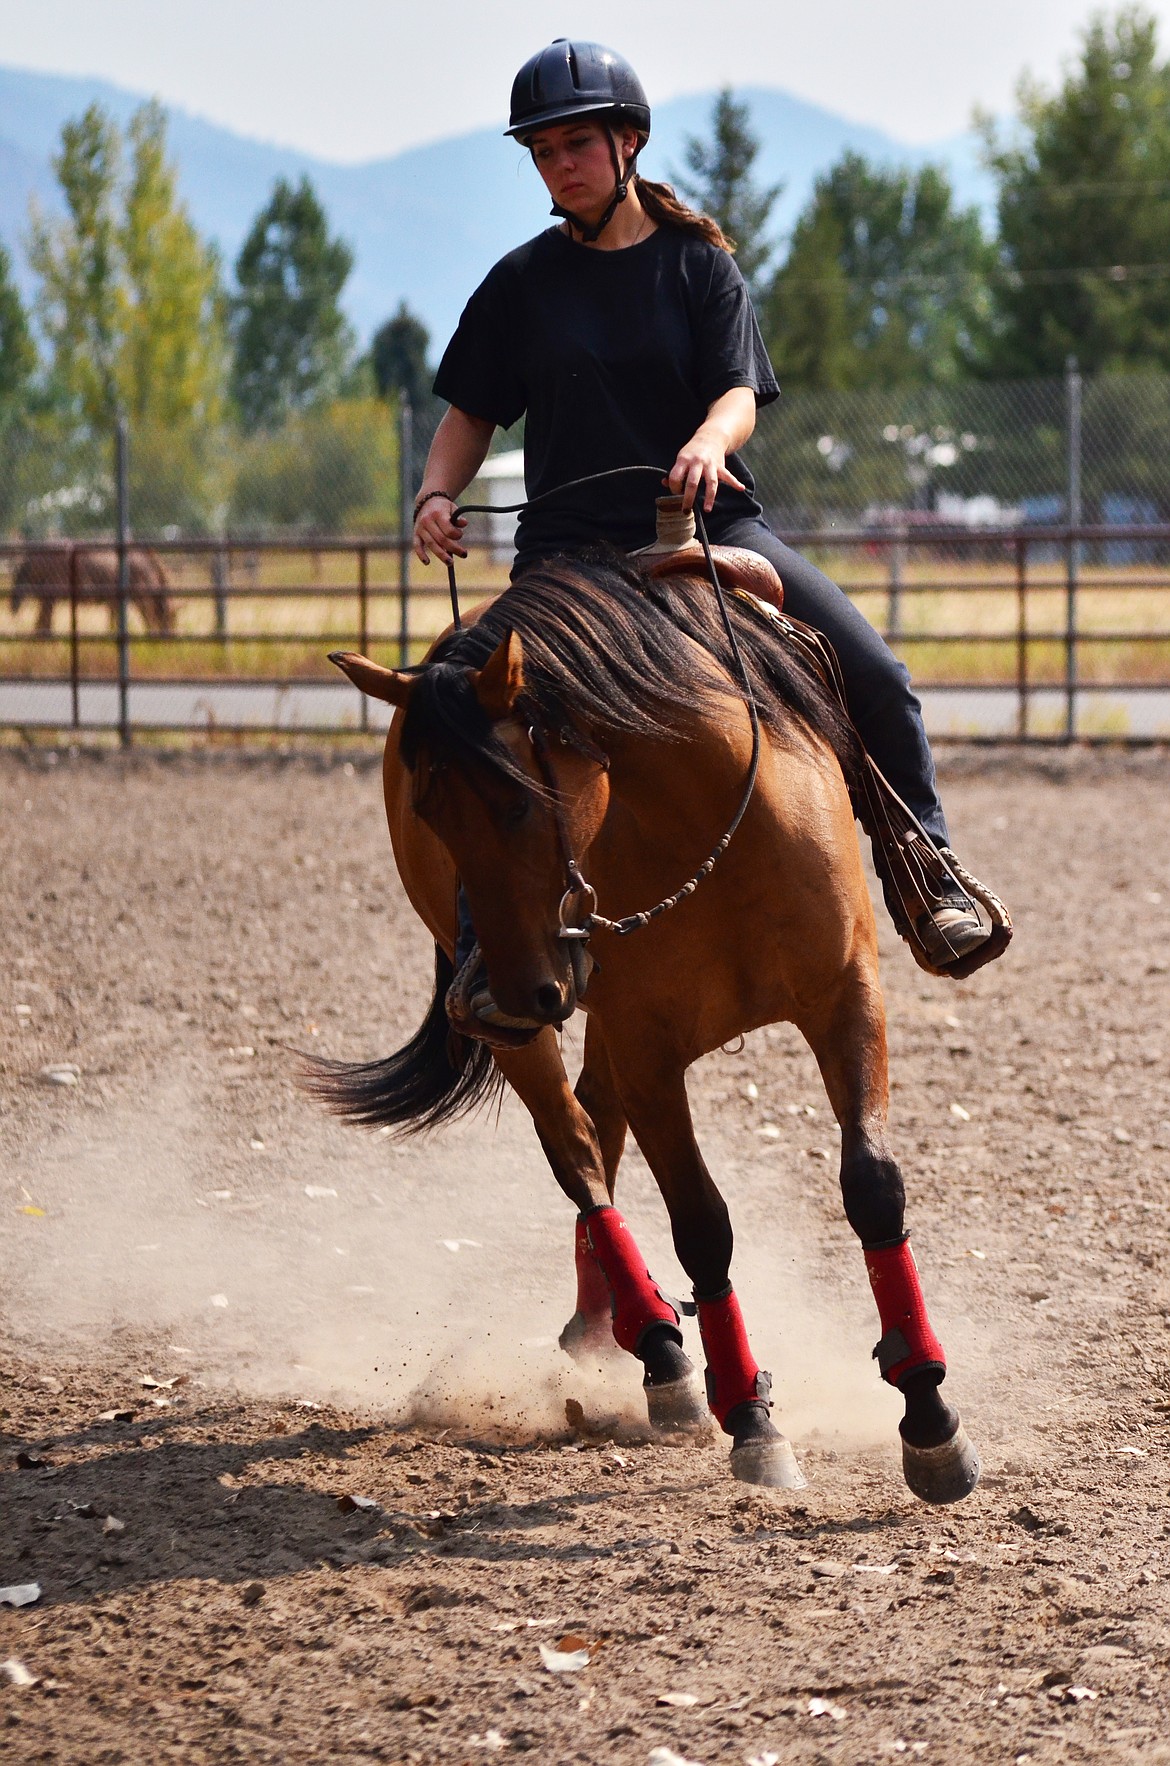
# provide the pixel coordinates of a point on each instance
(952, 922)
(999, 922)
(473, 1011)
(951, 931)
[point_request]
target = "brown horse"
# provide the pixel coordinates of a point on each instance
(43, 575)
(589, 724)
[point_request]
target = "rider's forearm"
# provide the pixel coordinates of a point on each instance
(457, 452)
(731, 417)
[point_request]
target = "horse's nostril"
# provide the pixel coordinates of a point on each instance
(550, 1000)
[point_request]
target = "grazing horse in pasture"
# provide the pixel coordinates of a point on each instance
(43, 575)
(590, 723)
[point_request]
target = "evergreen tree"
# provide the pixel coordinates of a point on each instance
(893, 274)
(399, 357)
(129, 297)
(721, 185)
(1084, 201)
(807, 316)
(18, 356)
(292, 340)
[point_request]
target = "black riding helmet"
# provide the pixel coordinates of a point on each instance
(577, 80)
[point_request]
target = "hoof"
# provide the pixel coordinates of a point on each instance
(678, 1406)
(771, 1463)
(942, 1474)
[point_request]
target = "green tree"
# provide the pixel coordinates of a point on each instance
(80, 300)
(292, 341)
(173, 361)
(399, 356)
(885, 281)
(18, 356)
(129, 296)
(1084, 196)
(720, 183)
(332, 469)
(18, 361)
(808, 310)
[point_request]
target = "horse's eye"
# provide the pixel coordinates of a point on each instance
(517, 812)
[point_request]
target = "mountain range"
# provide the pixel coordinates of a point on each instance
(425, 224)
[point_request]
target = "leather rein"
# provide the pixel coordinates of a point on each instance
(572, 923)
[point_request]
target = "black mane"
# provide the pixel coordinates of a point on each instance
(618, 652)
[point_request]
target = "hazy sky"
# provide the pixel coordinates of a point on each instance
(356, 79)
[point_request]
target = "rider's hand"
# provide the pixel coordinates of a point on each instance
(437, 530)
(703, 460)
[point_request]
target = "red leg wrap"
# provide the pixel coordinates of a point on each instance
(908, 1343)
(732, 1375)
(592, 1288)
(634, 1301)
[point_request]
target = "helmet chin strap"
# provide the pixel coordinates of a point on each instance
(590, 233)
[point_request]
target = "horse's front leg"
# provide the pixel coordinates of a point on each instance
(590, 1329)
(617, 1298)
(737, 1389)
(939, 1462)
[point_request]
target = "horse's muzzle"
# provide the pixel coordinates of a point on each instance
(474, 1011)
(555, 1002)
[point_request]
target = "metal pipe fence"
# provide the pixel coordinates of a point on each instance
(1026, 635)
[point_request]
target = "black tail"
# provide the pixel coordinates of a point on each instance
(416, 1088)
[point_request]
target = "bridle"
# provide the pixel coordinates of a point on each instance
(577, 889)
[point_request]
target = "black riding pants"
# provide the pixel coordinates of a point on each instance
(881, 700)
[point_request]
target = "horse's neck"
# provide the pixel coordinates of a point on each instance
(664, 791)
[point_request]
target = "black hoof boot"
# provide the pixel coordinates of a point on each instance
(760, 1454)
(945, 1473)
(675, 1401)
(939, 1462)
(678, 1407)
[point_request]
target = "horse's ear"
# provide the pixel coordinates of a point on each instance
(380, 683)
(499, 683)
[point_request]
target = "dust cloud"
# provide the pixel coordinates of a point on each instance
(427, 1280)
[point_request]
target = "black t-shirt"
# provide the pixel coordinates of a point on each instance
(615, 356)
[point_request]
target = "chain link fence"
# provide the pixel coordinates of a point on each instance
(337, 470)
(974, 455)
(1012, 541)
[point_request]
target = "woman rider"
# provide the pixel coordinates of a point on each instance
(627, 336)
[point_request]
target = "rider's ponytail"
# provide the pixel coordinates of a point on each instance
(664, 207)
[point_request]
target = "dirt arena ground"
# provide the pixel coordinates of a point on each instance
(283, 1436)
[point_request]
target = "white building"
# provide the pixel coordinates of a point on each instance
(500, 481)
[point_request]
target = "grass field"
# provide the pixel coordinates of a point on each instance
(954, 622)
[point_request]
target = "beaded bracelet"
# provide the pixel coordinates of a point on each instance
(424, 500)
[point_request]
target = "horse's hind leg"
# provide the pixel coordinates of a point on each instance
(850, 1045)
(737, 1389)
(613, 1284)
